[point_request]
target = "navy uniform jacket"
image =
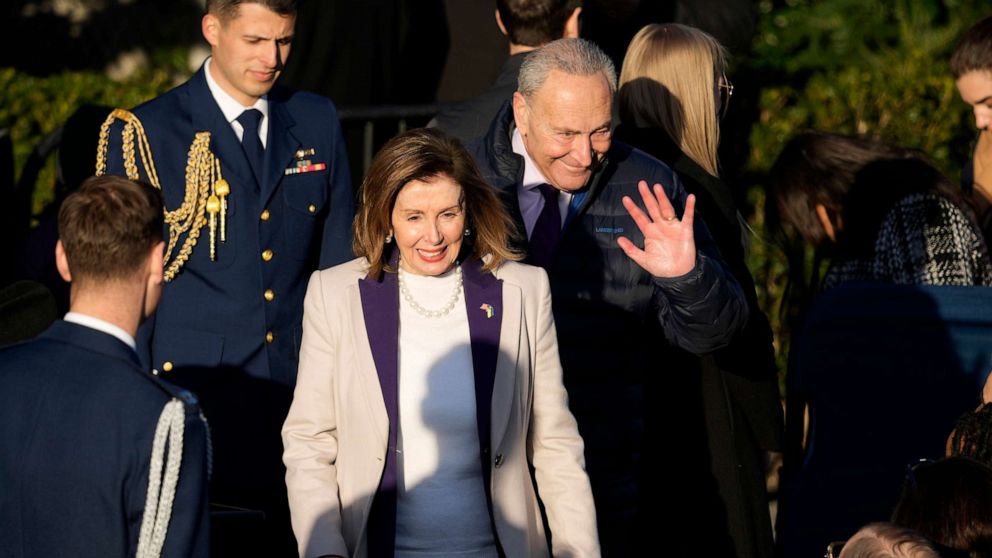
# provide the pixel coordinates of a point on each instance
(77, 420)
(245, 309)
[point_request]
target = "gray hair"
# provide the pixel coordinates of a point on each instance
(887, 540)
(577, 57)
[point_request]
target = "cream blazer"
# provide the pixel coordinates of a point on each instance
(335, 436)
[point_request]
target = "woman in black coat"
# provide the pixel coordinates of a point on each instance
(725, 410)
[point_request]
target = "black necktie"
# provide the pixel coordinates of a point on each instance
(250, 141)
(547, 229)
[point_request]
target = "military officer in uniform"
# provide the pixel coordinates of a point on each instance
(257, 196)
(80, 419)
(285, 207)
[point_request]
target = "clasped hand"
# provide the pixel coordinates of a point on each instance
(669, 246)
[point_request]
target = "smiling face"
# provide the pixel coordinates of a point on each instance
(565, 126)
(428, 225)
(975, 88)
(249, 50)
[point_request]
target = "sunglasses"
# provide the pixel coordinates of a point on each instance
(726, 90)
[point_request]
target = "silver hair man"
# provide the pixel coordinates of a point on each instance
(577, 57)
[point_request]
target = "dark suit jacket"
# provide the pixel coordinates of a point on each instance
(613, 320)
(77, 419)
(214, 312)
(470, 119)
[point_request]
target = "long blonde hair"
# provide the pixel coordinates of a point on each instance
(670, 79)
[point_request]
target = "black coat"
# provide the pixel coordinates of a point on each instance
(471, 118)
(738, 390)
(614, 322)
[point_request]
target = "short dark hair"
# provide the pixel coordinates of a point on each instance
(423, 154)
(974, 51)
(535, 22)
(227, 10)
(108, 225)
(948, 502)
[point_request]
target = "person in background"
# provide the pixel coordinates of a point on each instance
(880, 213)
(627, 279)
(885, 540)
(948, 502)
(971, 65)
(430, 416)
(528, 24)
(673, 91)
(83, 470)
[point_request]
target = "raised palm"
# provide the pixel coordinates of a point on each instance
(669, 245)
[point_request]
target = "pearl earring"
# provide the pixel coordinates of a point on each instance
(389, 238)
(468, 231)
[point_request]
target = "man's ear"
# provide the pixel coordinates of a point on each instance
(823, 215)
(62, 262)
(499, 23)
(521, 113)
(572, 25)
(210, 26)
(156, 263)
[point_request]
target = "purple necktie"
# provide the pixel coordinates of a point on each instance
(547, 229)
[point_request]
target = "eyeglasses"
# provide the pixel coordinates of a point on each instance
(834, 548)
(726, 90)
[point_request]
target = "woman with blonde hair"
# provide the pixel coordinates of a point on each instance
(673, 92)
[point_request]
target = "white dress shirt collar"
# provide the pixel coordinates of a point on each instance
(533, 177)
(101, 325)
(232, 109)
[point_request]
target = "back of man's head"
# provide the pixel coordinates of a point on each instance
(108, 226)
(577, 57)
(885, 540)
(535, 22)
(228, 9)
(974, 51)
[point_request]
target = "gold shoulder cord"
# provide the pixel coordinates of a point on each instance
(206, 190)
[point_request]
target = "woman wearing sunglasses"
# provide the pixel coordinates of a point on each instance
(673, 92)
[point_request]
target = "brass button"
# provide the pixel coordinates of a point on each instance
(265, 215)
(269, 295)
(267, 255)
(167, 366)
(312, 208)
(269, 337)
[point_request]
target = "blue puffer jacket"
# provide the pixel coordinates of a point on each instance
(613, 318)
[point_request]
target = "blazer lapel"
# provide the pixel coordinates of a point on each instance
(381, 311)
(280, 146)
(504, 389)
(484, 304)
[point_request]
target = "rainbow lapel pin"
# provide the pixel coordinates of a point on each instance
(489, 310)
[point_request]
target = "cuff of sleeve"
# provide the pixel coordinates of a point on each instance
(689, 283)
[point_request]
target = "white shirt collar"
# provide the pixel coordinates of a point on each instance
(533, 177)
(101, 325)
(232, 109)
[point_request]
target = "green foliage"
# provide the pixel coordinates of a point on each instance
(849, 66)
(32, 107)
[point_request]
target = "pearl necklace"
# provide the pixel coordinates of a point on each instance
(445, 310)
